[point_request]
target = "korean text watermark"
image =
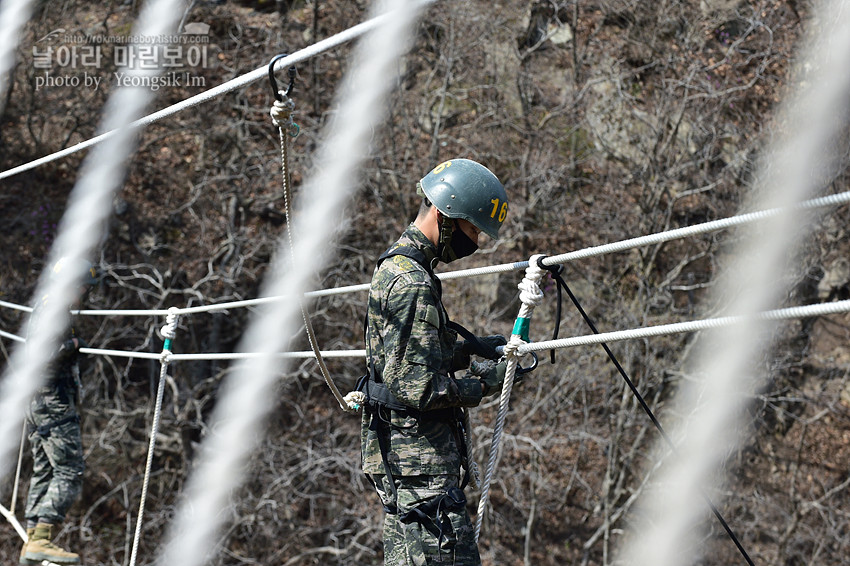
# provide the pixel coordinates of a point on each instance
(78, 60)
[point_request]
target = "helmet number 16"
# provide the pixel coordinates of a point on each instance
(502, 210)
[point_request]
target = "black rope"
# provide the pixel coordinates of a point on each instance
(556, 272)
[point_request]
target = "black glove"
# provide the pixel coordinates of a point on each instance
(460, 357)
(492, 376)
(489, 342)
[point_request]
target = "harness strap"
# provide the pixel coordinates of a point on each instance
(478, 347)
(379, 397)
(44, 430)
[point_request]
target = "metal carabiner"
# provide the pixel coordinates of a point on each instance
(292, 72)
(522, 371)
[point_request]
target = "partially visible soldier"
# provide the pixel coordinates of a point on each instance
(413, 437)
(54, 435)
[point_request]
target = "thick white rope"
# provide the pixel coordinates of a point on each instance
(622, 245)
(713, 404)
(531, 296)
(233, 84)
(224, 355)
(807, 311)
(687, 231)
(14, 14)
(80, 231)
(788, 313)
(168, 332)
(245, 399)
(659, 237)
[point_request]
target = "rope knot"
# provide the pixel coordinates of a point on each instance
(355, 400)
(281, 113)
(513, 344)
(530, 293)
(170, 329)
(168, 332)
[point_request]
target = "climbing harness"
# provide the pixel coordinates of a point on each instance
(378, 400)
(168, 333)
(281, 113)
(556, 272)
(44, 430)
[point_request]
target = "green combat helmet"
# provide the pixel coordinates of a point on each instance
(81, 268)
(462, 188)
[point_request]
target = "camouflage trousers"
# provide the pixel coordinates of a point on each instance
(430, 524)
(57, 471)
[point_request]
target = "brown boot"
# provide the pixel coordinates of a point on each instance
(41, 548)
(23, 559)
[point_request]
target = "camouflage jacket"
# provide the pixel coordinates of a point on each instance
(412, 350)
(58, 395)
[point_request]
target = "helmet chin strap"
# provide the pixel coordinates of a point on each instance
(444, 248)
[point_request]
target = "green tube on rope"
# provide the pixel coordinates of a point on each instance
(167, 344)
(521, 327)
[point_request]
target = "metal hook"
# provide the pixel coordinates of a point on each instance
(273, 80)
(522, 371)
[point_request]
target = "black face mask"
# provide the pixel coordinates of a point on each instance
(460, 245)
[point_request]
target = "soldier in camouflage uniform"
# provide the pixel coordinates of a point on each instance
(54, 436)
(413, 445)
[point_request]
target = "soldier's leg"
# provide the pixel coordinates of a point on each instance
(42, 475)
(63, 448)
(393, 535)
(435, 523)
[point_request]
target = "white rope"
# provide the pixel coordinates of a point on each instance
(15, 307)
(222, 356)
(807, 311)
(713, 404)
(233, 84)
(80, 230)
(14, 14)
(623, 245)
(168, 332)
(10, 336)
(531, 296)
(788, 313)
(657, 238)
(14, 521)
(713, 226)
(245, 399)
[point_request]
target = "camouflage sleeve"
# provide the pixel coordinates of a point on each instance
(417, 360)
